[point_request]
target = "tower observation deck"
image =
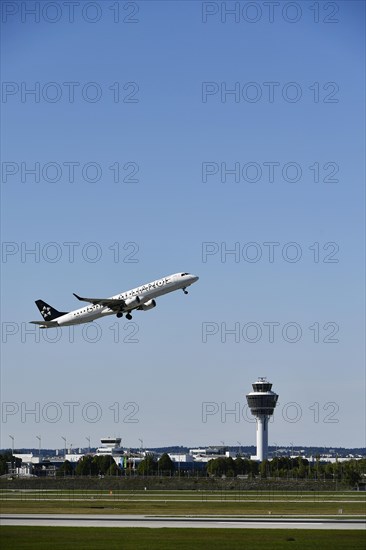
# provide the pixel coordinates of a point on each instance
(262, 402)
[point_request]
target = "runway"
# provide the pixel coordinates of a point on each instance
(86, 520)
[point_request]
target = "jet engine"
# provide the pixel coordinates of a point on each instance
(148, 305)
(132, 302)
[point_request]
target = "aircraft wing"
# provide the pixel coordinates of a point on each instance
(112, 303)
(45, 324)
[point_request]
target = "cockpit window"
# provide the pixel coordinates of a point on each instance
(182, 274)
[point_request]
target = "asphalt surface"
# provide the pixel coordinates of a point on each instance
(86, 520)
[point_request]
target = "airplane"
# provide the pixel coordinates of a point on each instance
(140, 298)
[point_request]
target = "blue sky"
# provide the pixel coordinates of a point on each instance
(166, 137)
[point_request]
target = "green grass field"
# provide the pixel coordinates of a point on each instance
(84, 538)
(183, 502)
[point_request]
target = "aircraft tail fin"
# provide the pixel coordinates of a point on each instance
(48, 312)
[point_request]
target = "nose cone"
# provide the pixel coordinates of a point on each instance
(195, 278)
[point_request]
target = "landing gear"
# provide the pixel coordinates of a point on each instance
(119, 315)
(185, 291)
(129, 316)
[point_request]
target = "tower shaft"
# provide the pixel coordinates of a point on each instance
(262, 437)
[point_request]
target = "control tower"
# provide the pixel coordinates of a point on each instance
(262, 402)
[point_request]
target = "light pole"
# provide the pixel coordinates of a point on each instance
(276, 457)
(12, 444)
(291, 459)
(39, 446)
(88, 440)
(239, 447)
(64, 438)
(141, 444)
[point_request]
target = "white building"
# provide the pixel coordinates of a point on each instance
(181, 457)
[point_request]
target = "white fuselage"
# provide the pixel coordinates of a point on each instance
(145, 293)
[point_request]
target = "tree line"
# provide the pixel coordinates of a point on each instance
(351, 471)
(105, 465)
